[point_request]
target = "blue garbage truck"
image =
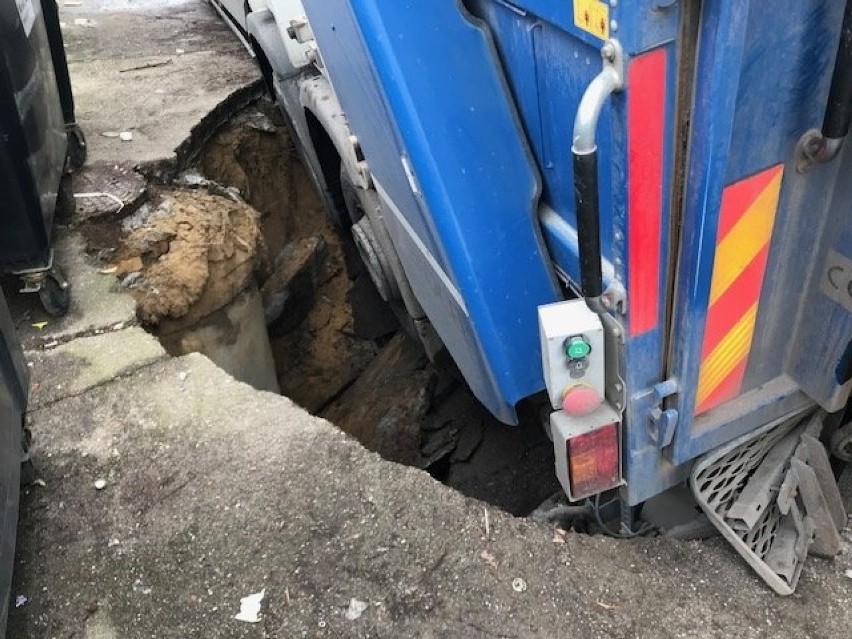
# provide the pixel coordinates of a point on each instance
(640, 209)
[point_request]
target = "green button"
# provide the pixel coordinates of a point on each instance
(577, 347)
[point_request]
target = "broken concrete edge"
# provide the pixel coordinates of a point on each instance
(173, 493)
(187, 152)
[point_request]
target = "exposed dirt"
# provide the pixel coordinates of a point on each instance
(322, 355)
(254, 155)
(188, 253)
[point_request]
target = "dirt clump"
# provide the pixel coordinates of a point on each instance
(253, 153)
(197, 251)
(317, 350)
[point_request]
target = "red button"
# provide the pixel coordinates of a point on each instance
(581, 400)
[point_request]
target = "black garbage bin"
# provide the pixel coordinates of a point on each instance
(14, 389)
(36, 115)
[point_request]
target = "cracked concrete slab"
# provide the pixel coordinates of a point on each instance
(97, 301)
(81, 364)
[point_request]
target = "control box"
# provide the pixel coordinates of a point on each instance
(572, 354)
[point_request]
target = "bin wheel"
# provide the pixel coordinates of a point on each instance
(55, 294)
(66, 205)
(28, 472)
(77, 150)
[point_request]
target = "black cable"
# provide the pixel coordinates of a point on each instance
(595, 506)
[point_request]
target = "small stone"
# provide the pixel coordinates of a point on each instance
(131, 279)
(469, 440)
(100, 484)
(356, 609)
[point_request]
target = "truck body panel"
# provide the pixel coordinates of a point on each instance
(726, 269)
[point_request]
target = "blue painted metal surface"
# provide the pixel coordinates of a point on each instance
(465, 122)
(763, 76)
(472, 199)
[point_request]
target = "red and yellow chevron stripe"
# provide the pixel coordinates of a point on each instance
(742, 247)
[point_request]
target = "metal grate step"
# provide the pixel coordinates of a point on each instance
(772, 495)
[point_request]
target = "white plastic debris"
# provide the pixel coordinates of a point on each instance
(848, 573)
(110, 134)
(100, 484)
(126, 136)
(113, 542)
(180, 51)
(356, 609)
(20, 600)
(250, 607)
(519, 585)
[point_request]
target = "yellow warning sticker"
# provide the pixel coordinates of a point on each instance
(592, 16)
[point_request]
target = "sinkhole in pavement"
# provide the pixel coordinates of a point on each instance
(338, 349)
(334, 347)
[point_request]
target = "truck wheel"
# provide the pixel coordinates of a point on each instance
(353, 197)
(841, 443)
(28, 471)
(360, 203)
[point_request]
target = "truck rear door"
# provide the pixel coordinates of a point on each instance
(760, 324)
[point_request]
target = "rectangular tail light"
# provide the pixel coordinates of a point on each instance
(588, 451)
(593, 461)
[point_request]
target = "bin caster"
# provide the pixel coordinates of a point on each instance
(52, 287)
(77, 150)
(55, 293)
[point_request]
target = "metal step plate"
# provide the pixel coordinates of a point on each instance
(772, 495)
